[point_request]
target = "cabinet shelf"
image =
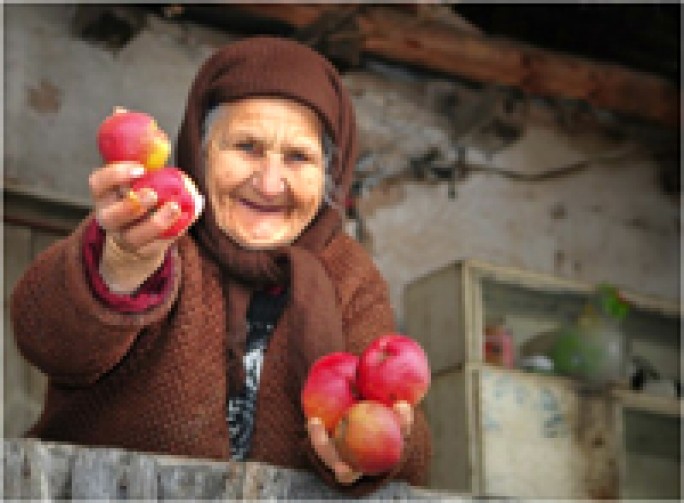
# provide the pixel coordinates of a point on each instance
(501, 432)
(650, 403)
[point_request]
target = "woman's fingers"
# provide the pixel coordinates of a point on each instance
(109, 178)
(116, 206)
(344, 473)
(320, 440)
(325, 449)
(150, 228)
(115, 212)
(134, 219)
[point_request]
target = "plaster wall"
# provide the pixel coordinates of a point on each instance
(59, 87)
(608, 220)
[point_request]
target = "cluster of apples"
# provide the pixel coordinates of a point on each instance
(353, 397)
(135, 137)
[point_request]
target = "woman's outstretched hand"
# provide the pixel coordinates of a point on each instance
(133, 224)
(326, 450)
(131, 221)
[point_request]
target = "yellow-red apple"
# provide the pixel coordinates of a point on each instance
(368, 438)
(393, 367)
(133, 136)
(330, 388)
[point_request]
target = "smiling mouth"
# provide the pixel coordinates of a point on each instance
(264, 208)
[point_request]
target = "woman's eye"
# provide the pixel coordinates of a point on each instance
(249, 147)
(297, 156)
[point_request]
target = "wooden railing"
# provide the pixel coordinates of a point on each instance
(51, 471)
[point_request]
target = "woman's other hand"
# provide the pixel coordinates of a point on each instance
(325, 448)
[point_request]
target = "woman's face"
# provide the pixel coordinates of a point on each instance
(265, 170)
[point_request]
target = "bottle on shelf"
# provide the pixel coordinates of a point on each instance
(499, 345)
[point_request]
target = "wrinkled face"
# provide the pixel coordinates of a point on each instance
(265, 170)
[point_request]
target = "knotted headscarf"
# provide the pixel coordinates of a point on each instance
(269, 66)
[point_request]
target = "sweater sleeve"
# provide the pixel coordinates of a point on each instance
(367, 316)
(151, 293)
(60, 324)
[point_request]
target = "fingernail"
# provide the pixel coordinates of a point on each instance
(136, 171)
(341, 469)
(403, 406)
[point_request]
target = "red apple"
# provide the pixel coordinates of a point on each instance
(330, 388)
(368, 438)
(393, 367)
(171, 184)
(133, 136)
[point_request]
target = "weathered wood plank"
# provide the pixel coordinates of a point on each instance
(398, 36)
(452, 432)
(47, 471)
(98, 474)
(12, 468)
(142, 481)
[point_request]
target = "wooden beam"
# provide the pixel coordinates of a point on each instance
(397, 36)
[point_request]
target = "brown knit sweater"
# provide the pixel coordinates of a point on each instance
(156, 381)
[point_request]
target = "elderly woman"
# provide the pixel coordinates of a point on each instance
(199, 346)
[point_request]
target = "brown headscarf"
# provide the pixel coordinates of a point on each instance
(268, 66)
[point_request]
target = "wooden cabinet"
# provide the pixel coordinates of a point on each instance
(508, 432)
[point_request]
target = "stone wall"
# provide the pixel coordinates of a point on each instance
(46, 471)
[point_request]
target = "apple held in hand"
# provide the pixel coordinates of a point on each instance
(393, 367)
(171, 184)
(368, 438)
(133, 136)
(330, 388)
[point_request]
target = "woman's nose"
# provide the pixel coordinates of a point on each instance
(271, 181)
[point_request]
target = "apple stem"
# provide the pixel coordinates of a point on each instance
(119, 110)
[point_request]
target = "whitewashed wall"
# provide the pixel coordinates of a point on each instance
(609, 222)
